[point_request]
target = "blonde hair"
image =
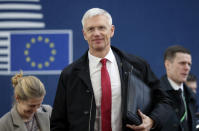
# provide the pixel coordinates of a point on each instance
(27, 87)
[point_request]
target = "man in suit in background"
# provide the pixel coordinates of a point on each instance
(177, 61)
(192, 82)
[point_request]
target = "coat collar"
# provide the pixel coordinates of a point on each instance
(189, 93)
(168, 88)
(43, 118)
(17, 121)
(82, 66)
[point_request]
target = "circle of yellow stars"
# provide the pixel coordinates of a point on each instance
(47, 62)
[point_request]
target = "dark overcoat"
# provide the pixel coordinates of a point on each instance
(74, 106)
(174, 123)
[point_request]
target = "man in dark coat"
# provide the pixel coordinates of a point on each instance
(177, 60)
(77, 101)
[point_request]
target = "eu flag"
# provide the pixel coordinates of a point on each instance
(39, 52)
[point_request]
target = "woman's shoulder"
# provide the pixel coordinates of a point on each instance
(47, 109)
(5, 120)
(5, 117)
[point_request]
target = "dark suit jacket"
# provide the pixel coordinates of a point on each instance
(175, 115)
(74, 107)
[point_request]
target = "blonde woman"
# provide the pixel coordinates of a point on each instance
(27, 113)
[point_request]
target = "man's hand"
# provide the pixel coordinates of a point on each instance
(147, 123)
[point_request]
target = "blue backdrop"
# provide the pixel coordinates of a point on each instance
(142, 27)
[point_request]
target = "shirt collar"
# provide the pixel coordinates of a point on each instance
(96, 60)
(110, 56)
(175, 86)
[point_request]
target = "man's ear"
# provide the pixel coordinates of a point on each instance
(167, 64)
(84, 34)
(112, 30)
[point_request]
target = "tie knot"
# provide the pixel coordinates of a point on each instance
(103, 61)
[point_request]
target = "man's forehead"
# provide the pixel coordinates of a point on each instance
(181, 55)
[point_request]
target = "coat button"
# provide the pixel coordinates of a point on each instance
(175, 125)
(86, 112)
(87, 91)
(176, 110)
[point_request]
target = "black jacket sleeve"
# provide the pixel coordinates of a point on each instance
(58, 120)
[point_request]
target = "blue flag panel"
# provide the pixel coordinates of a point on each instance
(40, 52)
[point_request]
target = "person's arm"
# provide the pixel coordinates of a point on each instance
(161, 101)
(58, 120)
(6, 122)
(46, 108)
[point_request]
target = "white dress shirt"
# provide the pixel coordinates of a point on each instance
(175, 86)
(95, 74)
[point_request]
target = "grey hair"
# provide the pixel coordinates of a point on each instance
(94, 12)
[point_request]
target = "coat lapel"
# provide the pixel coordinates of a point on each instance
(43, 121)
(83, 69)
(17, 121)
(174, 95)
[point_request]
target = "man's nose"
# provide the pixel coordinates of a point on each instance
(187, 66)
(96, 32)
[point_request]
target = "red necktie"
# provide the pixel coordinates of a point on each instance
(106, 98)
